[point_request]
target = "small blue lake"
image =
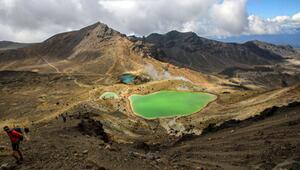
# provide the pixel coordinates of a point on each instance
(127, 78)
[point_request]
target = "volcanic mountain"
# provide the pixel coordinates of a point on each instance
(101, 49)
(98, 49)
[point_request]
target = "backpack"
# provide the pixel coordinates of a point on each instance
(20, 131)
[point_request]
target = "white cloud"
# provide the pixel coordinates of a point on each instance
(258, 25)
(206, 17)
(36, 20)
(280, 19)
(276, 25)
(296, 17)
(230, 17)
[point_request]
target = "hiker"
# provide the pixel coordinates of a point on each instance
(64, 118)
(15, 137)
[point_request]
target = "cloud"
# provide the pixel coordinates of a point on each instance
(296, 17)
(144, 17)
(276, 25)
(36, 20)
(206, 17)
(258, 25)
(230, 17)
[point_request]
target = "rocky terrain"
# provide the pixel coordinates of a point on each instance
(253, 123)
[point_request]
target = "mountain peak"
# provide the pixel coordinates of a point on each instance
(257, 42)
(63, 44)
(95, 25)
(101, 29)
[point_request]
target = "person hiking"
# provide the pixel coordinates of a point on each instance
(64, 118)
(15, 137)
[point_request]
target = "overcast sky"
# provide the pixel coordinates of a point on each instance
(36, 20)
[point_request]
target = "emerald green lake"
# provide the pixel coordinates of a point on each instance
(169, 103)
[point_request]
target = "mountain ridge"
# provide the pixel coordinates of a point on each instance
(189, 43)
(84, 50)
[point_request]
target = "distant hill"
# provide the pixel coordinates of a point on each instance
(292, 39)
(201, 54)
(5, 45)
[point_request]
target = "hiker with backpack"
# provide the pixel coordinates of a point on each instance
(16, 137)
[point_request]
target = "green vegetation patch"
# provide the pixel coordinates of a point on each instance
(169, 103)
